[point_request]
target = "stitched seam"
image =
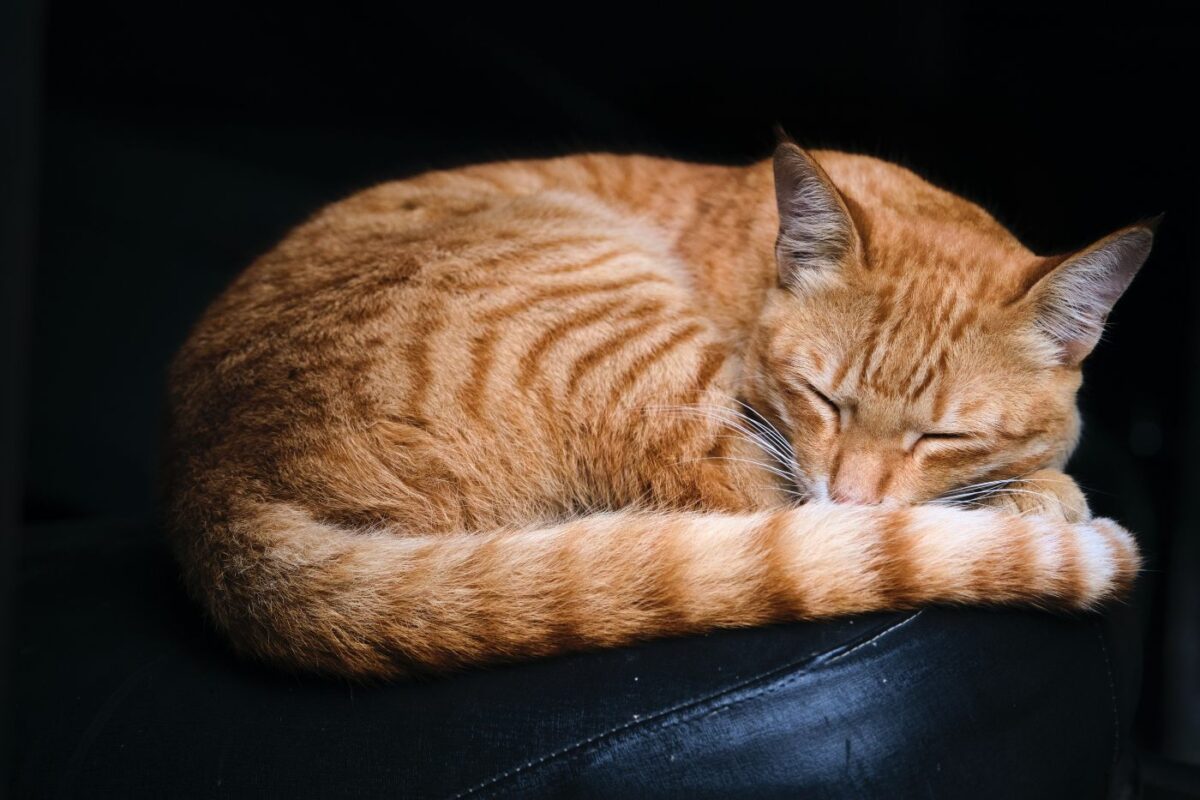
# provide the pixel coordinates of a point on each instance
(877, 636)
(1112, 693)
(657, 719)
(791, 679)
(623, 727)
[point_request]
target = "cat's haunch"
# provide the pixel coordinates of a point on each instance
(529, 407)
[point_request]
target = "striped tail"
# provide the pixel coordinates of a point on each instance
(316, 597)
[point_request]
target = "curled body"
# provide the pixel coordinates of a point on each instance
(529, 407)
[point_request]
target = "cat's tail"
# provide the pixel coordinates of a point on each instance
(314, 596)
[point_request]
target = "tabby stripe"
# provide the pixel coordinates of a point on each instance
(939, 401)
(712, 359)
(983, 288)
(704, 212)
(1020, 575)
(835, 465)
(582, 266)
(895, 559)
(885, 477)
(416, 352)
(1124, 556)
(421, 572)
(941, 396)
(960, 327)
(842, 369)
(746, 233)
(628, 179)
(925, 345)
(566, 292)
(593, 173)
(478, 276)
(522, 255)
(871, 365)
(962, 456)
(878, 317)
(778, 593)
(488, 180)
(530, 361)
(593, 357)
(986, 570)
(480, 572)
(927, 335)
(932, 317)
(482, 356)
(683, 431)
(1070, 569)
(930, 371)
(817, 361)
(872, 379)
(668, 589)
(1021, 436)
(647, 359)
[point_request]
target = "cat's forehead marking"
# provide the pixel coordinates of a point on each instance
(971, 411)
(908, 345)
(818, 362)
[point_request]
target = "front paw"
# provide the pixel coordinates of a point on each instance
(1047, 493)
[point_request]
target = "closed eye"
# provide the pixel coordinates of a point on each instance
(824, 398)
(944, 436)
(938, 440)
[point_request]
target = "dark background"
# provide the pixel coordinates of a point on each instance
(153, 149)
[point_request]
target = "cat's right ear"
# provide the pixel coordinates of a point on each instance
(1072, 295)
(816, 233)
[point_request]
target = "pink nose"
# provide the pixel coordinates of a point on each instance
(859, 478)
(854, 494)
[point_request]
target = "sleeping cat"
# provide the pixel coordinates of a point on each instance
(531, 407)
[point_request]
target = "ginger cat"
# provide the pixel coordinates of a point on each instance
(531, 407)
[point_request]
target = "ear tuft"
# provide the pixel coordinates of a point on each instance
(816, 233)
(1074, 299)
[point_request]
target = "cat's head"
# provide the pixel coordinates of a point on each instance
(913, 345)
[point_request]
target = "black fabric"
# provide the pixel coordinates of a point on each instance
(124, 693)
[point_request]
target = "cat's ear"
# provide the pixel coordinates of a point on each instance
(816, 233)
(1072, 295)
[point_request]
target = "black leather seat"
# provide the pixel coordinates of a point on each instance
(124, 693)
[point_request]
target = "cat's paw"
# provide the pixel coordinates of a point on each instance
(1047, 493)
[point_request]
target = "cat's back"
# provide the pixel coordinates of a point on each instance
(410, 317)
(441, 241)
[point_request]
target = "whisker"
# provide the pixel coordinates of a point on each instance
(738, 422)
(766, 424)
(759, 464)
(753, 428)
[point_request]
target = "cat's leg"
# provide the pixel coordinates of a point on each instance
(1047, 492)
(737, 476)
(707, 455)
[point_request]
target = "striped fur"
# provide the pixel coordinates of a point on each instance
(504, 411)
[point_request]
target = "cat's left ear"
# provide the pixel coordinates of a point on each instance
(816, 233)
(1073, 295)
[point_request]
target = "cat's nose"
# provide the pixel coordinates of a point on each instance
(854, 494)
(860, 478)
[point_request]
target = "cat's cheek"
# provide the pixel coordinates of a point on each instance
(817, 446)
(932, 474)
(906, 486)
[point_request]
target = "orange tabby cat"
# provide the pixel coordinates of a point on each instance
(530, 407)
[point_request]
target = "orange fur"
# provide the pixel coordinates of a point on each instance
(487, 413)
